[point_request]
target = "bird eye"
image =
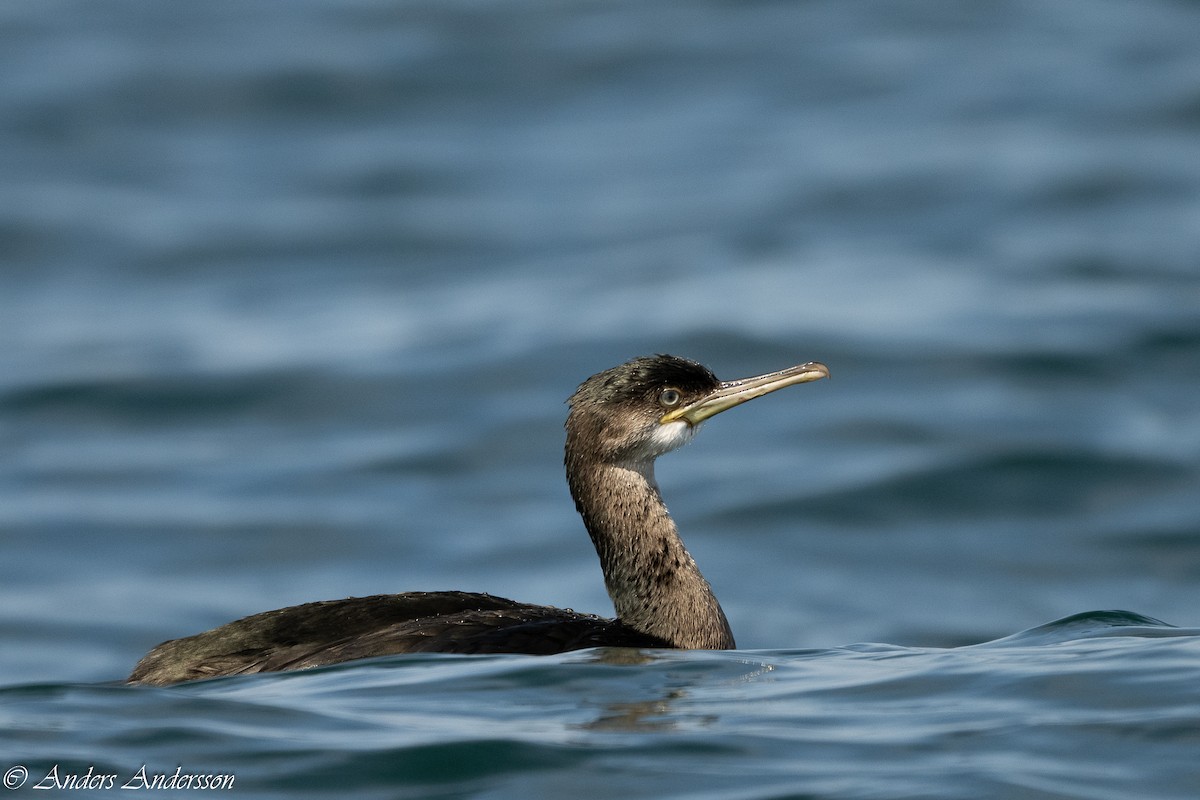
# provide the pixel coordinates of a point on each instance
(669, 397)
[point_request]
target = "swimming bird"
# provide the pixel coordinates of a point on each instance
(619, 422)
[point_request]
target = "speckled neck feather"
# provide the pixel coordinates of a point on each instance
(653, 581)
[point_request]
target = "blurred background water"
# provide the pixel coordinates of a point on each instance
(291, 296)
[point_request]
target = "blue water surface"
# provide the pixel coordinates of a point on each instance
(291, 296)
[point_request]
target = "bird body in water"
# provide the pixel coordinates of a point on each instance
(620, 421)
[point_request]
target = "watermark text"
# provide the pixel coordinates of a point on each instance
(142, 778)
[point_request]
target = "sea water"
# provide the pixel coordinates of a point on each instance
(291, 296)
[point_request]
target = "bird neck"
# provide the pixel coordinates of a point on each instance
(653, 581)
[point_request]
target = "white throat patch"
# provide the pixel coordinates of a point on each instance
(671, 435)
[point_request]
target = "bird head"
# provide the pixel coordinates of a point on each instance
(651, 405)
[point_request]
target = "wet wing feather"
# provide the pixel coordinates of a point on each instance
(333, 631)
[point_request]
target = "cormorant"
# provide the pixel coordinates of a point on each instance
(620, 421)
